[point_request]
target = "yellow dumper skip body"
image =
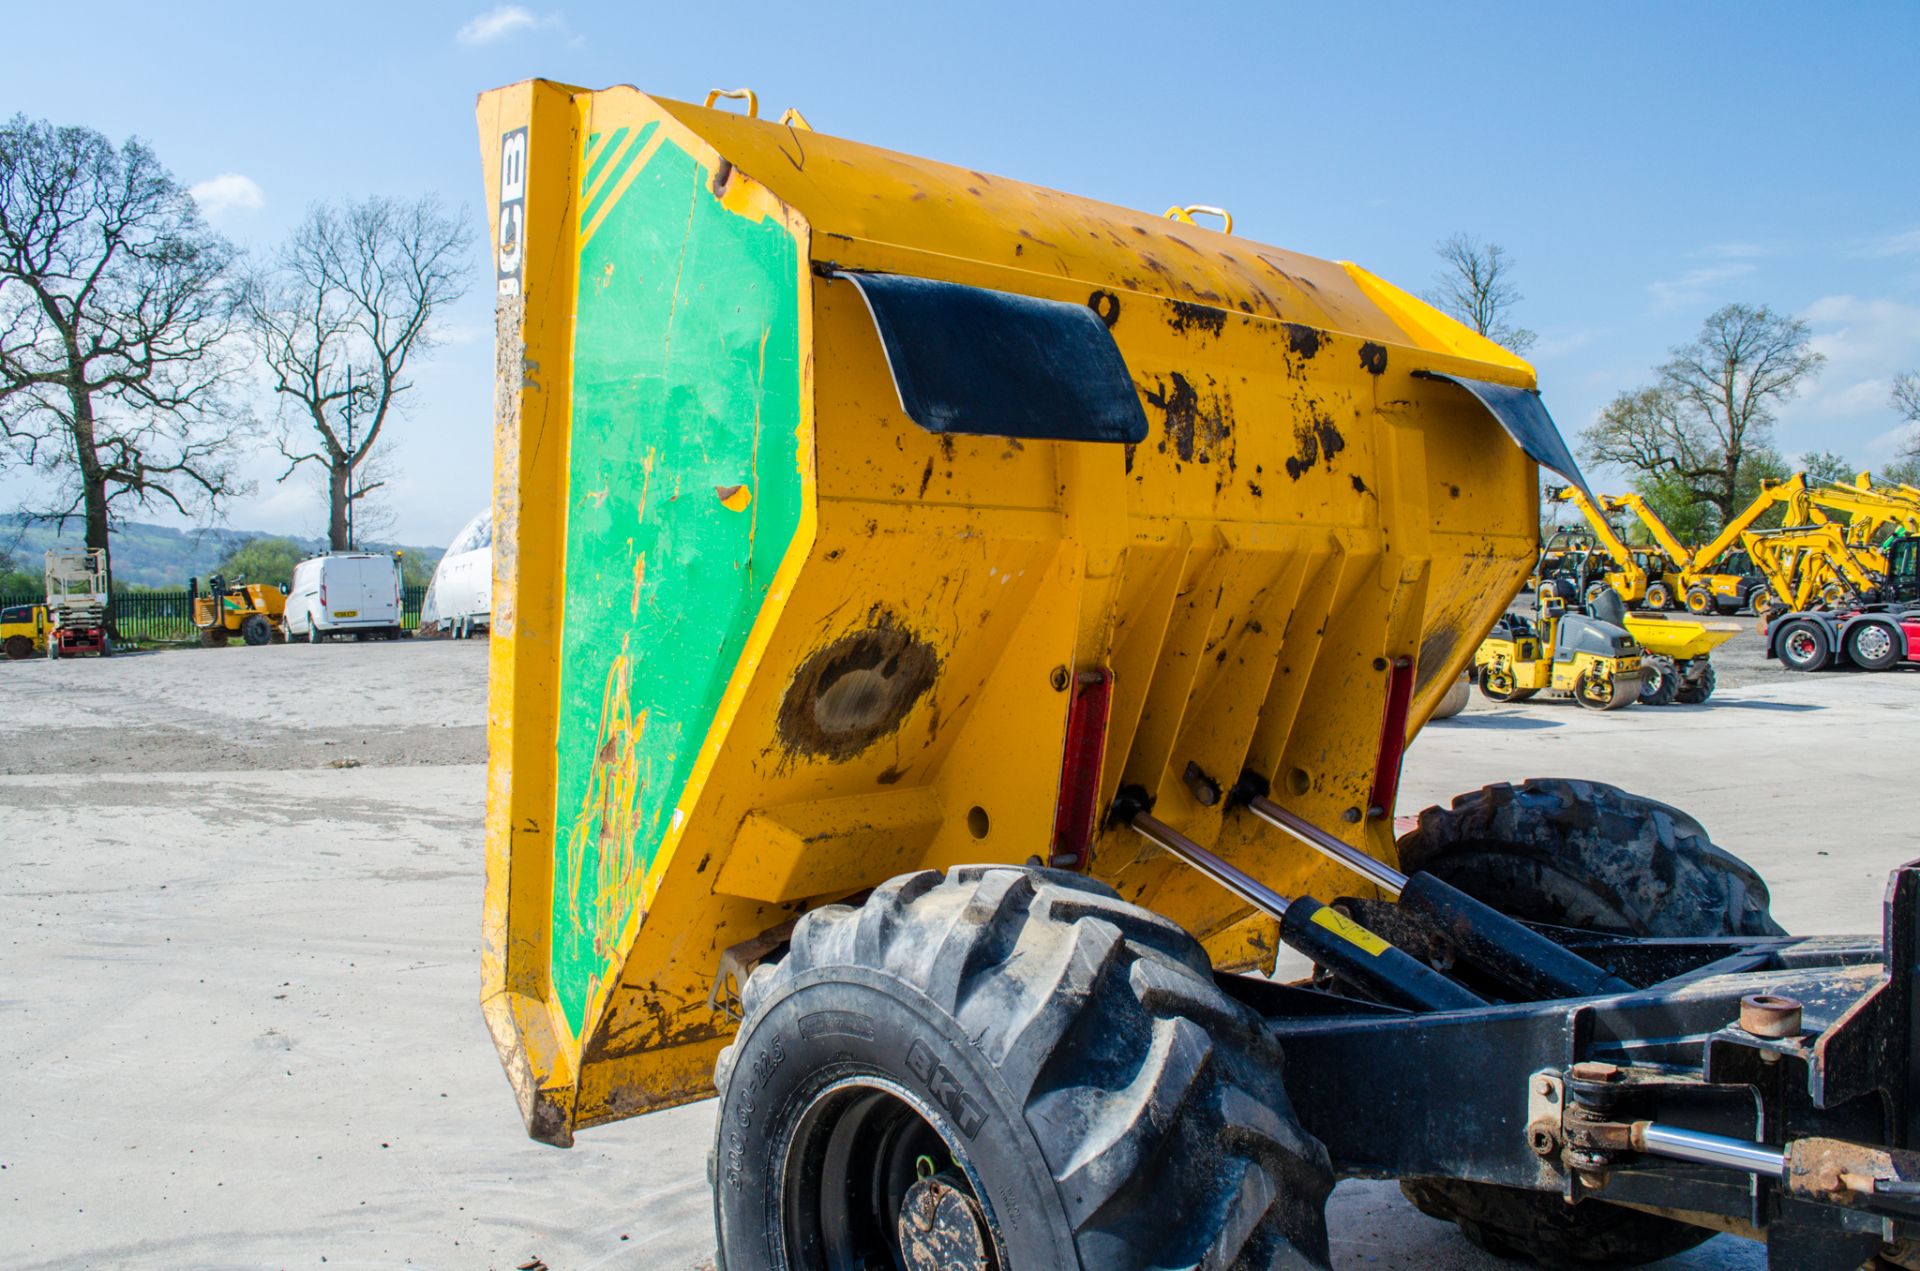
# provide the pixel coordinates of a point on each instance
(761, 640)
(1678, 637)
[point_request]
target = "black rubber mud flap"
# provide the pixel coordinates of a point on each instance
(1521, 413)
(990, 363)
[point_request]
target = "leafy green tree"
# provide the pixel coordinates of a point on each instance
(1824, 466)
(16, 579)
(416, 570)
(263, 560)
(1902, 471)
(1671, 501)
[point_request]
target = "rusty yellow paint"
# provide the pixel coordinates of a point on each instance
(1304, 510)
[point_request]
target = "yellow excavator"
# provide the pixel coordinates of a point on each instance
(1710, 579)
(1814, 565)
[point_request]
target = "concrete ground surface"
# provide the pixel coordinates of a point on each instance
(240, 915)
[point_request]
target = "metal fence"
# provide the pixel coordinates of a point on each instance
(166, 617)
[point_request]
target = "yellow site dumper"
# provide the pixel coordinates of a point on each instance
(947, 633)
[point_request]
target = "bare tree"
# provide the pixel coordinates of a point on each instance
(114, 373)
(337, 315)
(1709, 416)
(1474, 286)
(1906, 400)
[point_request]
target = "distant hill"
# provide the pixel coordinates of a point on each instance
(159, 555)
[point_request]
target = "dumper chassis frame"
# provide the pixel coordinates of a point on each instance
(1541, 1095)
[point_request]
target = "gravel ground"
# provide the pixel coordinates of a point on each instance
(241, 910)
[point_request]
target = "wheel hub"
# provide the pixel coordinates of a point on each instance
(1874, 643)
(941, 1227)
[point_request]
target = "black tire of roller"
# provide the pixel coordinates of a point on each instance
(1128, 1111)
(1579, 854)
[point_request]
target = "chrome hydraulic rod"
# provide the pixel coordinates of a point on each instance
(1329, 937)
(1510, 951)
(1237, 881)
(1380, 874)
(1701, 1148)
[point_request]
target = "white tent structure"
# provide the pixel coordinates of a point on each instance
(460, 597)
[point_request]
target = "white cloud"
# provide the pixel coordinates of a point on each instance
(1906, 243)
(1732, 251)
(1696, 285)
(1867, 341)
(506, 20)
(228, 192)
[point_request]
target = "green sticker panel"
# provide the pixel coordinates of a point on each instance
(683, 495)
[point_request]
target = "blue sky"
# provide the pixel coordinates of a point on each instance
(1643, 163)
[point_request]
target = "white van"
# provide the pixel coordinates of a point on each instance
(344, 593)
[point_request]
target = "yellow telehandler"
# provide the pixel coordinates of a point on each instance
(949, 633)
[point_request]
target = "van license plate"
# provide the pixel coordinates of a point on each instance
(346, 613)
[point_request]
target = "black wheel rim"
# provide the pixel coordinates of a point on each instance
(852, 1156)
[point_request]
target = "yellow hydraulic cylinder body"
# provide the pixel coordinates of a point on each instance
(762, 641)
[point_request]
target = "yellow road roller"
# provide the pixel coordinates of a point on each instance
(949, 633)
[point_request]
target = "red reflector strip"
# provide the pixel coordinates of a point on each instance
(1393, 738)
(1085, 755)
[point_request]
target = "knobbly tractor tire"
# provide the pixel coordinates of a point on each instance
(1659, 681)
(1696, 691)
(256, 630)
(213, 637)
(1759, 600)
(1658, 598)
(1700, 602)
(1008, 1060)
(1579, 854)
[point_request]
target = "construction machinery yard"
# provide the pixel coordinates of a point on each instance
(251, 1039)
(973, 769)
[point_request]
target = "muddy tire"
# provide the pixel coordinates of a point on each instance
(1695, 692)
(1545, 1230)
(256, 630)
(1583, 854)
(1659, 681)
(19, 648)
(1056, 1063)
(1579, 854)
